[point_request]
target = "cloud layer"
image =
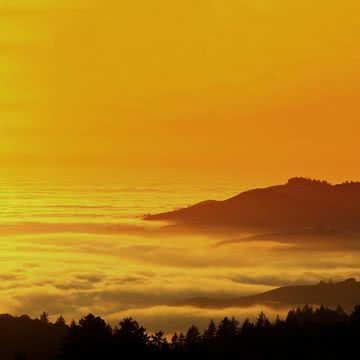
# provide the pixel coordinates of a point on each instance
(115, 265)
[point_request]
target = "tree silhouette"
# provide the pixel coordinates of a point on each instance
(60, 321)
(209, 335)
(355, 317)
(192, 339)
(130, 337)
(177, 344)
(158, 344)
(262, 321)
(247, 327)
(90, 339)
(44, 317)
(305, 333)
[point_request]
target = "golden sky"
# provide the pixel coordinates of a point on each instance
(217, 88)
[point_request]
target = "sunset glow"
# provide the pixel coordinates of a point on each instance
(113, 109)
(187, 87)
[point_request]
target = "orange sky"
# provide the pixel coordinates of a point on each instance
(225, 89)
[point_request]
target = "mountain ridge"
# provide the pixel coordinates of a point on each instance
(346, 293)
(300, 204)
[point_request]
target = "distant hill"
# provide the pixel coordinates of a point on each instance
(300, 204)
(345, 293)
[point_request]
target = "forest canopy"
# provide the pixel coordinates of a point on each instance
(322, 332)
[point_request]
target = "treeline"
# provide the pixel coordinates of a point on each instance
(319, 333)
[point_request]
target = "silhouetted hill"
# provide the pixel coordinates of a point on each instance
(297, 205)
(345, 293)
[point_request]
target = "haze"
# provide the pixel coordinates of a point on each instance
(115, 109)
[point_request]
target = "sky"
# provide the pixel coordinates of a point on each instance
(219, 89)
